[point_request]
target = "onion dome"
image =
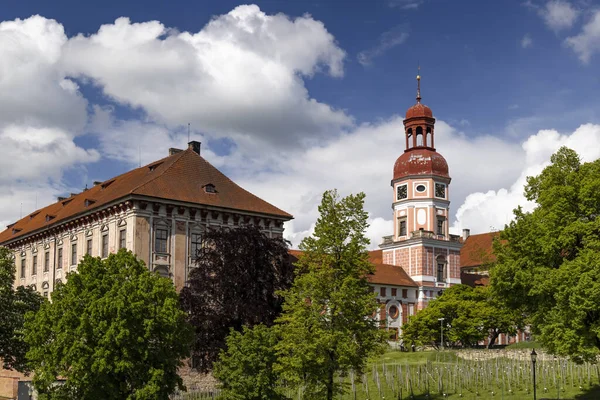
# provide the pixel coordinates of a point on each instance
(420, 161)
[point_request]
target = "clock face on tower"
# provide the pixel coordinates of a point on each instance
(402, 192)
(440, 190)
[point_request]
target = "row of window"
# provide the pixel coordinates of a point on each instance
(74, 258)
(441, 226)
(402, 190)
(383, 292)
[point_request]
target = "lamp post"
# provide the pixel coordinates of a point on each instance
(533, 361)
(441, 332)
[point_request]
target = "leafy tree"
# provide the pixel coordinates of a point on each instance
(470, 315)
(234, 284)
(113, 331)
(549, 259)
(246, 368)
(14, 305)
(326, 329)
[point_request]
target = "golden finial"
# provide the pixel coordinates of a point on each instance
(419, 84)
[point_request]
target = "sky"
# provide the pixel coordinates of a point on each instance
(292, 98)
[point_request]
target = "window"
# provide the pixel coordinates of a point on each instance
(160, 240)
(382, 291)
(74, 254)
(105, 245)
(440, 226)
(394, 291)
(402, 192)
(34, 268)
(47, 261)
(421, 188)
(60, 258)
(88, 247)
(440, 271)
(440, 190)
(122, 238)
(404, 293)
(23, 261)
(402, 226)
(46, 294)
(195, 244)
(393, 312)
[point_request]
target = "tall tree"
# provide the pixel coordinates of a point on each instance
(238, 273)
(326, 326)
(14, 305)
(114, 331)
(549, 259)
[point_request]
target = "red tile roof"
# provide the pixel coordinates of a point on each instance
(384, 273)
(474, 280)
(179, 177)
(477, 250)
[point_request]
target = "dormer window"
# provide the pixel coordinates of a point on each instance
(67, 201)
(152, 167)
(89, 202)
(50, 217)
(107, 184)
(16, 230)
(33, 215)
(210, 188)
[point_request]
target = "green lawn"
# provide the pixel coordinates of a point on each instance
(444, 375)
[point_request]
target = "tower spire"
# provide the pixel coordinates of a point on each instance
(419, 84)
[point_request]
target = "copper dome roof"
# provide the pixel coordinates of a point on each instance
(419, 110)
(420, 161)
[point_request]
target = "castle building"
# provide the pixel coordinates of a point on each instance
(159, 212)
(421, 243)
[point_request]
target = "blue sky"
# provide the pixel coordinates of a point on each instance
(281, 91)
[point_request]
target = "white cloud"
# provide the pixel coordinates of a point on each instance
(587, 43)
(388, 40)
(241, 75)
(363, 160)
(484, 211)
(558, 14)
(406, 4)
(41, 113)
(527, 41)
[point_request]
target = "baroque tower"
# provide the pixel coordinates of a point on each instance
(421, 243)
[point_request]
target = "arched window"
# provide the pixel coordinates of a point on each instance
(441, 268)
(409, 133)
(429, 137)
(419, 136)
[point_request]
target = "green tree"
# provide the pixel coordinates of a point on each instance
(470, 315)
(14, 305)
(113, 331)
(549, 259)
(326, 325)
(246, 368)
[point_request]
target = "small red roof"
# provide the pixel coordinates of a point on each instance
(419, 111)
(420, 161)
(181, 177)
(384, 274)
(477, 250)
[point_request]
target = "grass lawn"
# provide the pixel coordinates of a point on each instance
(445, 375)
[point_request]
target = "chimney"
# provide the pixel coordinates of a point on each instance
(194, 146)
(173, 150)
(466, 234)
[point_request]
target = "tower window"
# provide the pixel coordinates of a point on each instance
(421, 188)
(160, 240)
(402, 226)
(122, 238)
(440, 190)
(402, 192)
(440, 226)
(441, 269)
(23, 268)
